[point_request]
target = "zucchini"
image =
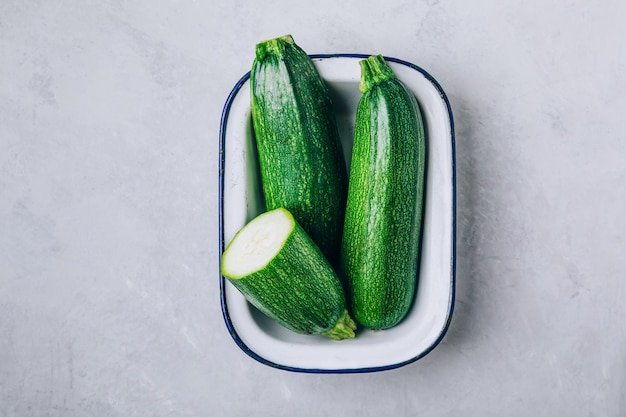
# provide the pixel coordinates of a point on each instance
(280, 270)
(301, 161)
(382, 229)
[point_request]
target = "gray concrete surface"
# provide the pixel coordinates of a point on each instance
(109, 118)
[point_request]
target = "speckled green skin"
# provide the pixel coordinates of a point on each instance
(385, 198)
(299, 289)
(300, 156)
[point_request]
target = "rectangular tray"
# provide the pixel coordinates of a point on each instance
(240, 200)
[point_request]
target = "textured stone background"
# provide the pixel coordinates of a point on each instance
(109, 118)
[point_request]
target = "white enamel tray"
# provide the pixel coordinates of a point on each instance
(241, 199)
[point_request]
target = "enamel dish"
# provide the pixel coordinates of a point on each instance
(241, 199)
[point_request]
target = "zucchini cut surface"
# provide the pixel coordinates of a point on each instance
(257, 243)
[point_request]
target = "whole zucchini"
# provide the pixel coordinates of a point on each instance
(383, 219)
(278, 268)
(300, 156)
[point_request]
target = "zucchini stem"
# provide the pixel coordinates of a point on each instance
(374, 70)
(274, 46)
(344, 328)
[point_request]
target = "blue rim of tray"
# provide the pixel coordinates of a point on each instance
(221, 167)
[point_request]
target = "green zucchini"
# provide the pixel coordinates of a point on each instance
(280, 270)
(301, 161)
(382, 230)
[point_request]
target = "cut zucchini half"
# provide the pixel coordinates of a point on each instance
(278, 268)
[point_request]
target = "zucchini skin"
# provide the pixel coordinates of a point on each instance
(301, 160)
(382, 231)
(299, 289)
